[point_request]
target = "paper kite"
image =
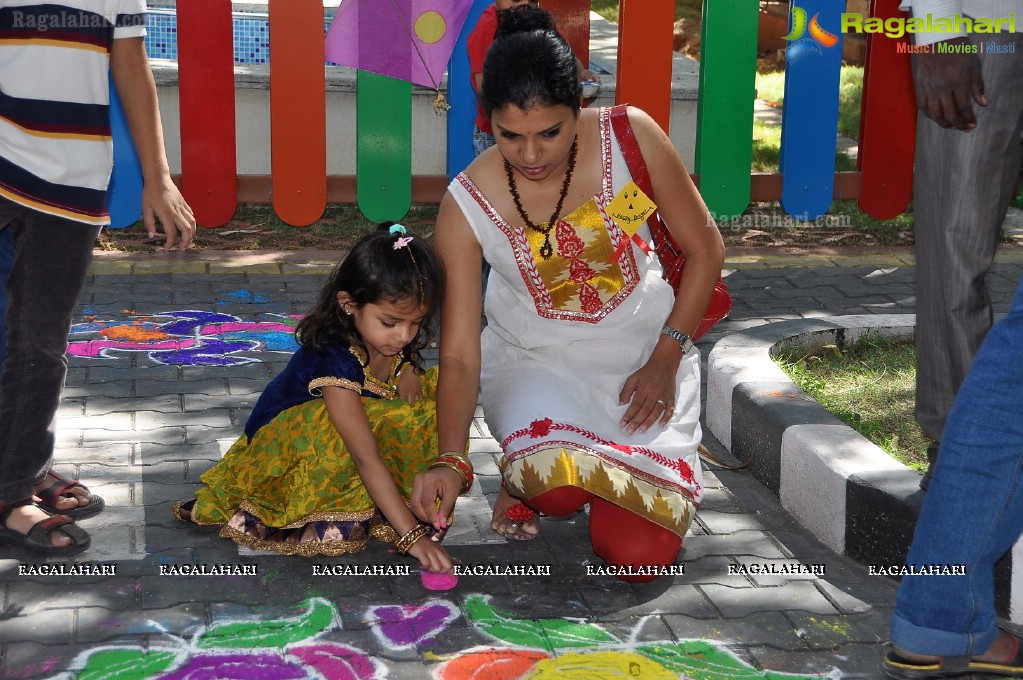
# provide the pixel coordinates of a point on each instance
(405, 39)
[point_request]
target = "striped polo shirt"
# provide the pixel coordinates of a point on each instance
(55, 143)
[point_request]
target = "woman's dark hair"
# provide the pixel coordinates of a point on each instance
(529, 63)
(372, 271)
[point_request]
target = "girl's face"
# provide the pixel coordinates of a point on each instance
(536, 141)
(386, 327)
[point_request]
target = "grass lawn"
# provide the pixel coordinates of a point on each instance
(870, 386)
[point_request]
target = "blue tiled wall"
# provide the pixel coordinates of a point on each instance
(162, 35)
(251, 36)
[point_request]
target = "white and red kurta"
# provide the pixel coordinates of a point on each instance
(562, 336)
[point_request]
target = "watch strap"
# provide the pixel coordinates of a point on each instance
(685, 343)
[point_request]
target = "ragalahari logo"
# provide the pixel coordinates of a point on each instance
(800, 42)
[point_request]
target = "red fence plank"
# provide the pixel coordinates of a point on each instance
(573, 19)
(209, 179)
(887, 123)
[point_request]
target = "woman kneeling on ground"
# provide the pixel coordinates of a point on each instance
(589, 379)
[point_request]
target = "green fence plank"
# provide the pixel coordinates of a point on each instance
(383, 147)
(724, 131)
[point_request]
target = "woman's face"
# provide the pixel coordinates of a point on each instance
(535, 141)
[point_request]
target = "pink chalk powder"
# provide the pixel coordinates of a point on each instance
(438, 580)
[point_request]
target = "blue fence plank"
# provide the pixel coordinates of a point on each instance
(813, 61)
(462, 115)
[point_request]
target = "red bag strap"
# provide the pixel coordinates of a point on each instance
(630, 148)
(664, 244)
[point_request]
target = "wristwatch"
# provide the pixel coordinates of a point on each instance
(685, 343)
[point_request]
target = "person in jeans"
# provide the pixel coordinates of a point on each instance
(55, 163)
(945, 625)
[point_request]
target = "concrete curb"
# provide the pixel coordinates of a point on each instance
(844, 489)
(849, 493)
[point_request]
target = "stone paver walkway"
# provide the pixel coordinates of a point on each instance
(170, 354)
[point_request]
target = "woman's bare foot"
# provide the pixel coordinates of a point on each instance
(519, 530)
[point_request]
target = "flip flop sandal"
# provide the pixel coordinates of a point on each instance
(62, 487)
(518, 515)
(899, 668)
(38, 538)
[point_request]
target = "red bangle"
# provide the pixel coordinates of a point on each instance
(461, 465)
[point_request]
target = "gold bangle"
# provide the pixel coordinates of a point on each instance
(461, 473)
(405, 542)
(460, 455)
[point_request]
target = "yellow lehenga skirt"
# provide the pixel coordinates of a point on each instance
(294, 488)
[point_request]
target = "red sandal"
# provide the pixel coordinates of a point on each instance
(518, 514)
(38, 537)
(67, 487)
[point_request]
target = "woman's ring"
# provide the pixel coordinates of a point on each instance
(661, 402)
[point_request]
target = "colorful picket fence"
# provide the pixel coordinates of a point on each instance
(806, 185)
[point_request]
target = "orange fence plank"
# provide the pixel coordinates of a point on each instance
(298, 105)
(887, 123)
(644, 56)
(209, 172)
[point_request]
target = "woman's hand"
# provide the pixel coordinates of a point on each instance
(650, 393)
(427, 487)
(431, 555)
(410, 387)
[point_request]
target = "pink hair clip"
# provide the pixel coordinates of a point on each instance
(402, 240)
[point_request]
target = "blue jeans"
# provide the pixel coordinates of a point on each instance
(481, 141)
(51, 262)
(973, 512)
(6, 263)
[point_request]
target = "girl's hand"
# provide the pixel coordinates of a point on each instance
(431, 555)
(410, 387)
(650, 393)
(427, 487)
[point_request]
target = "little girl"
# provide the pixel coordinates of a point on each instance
(335, 441)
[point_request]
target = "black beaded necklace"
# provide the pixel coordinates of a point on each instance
(546, 250)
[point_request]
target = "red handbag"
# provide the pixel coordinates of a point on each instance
(671, 256)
